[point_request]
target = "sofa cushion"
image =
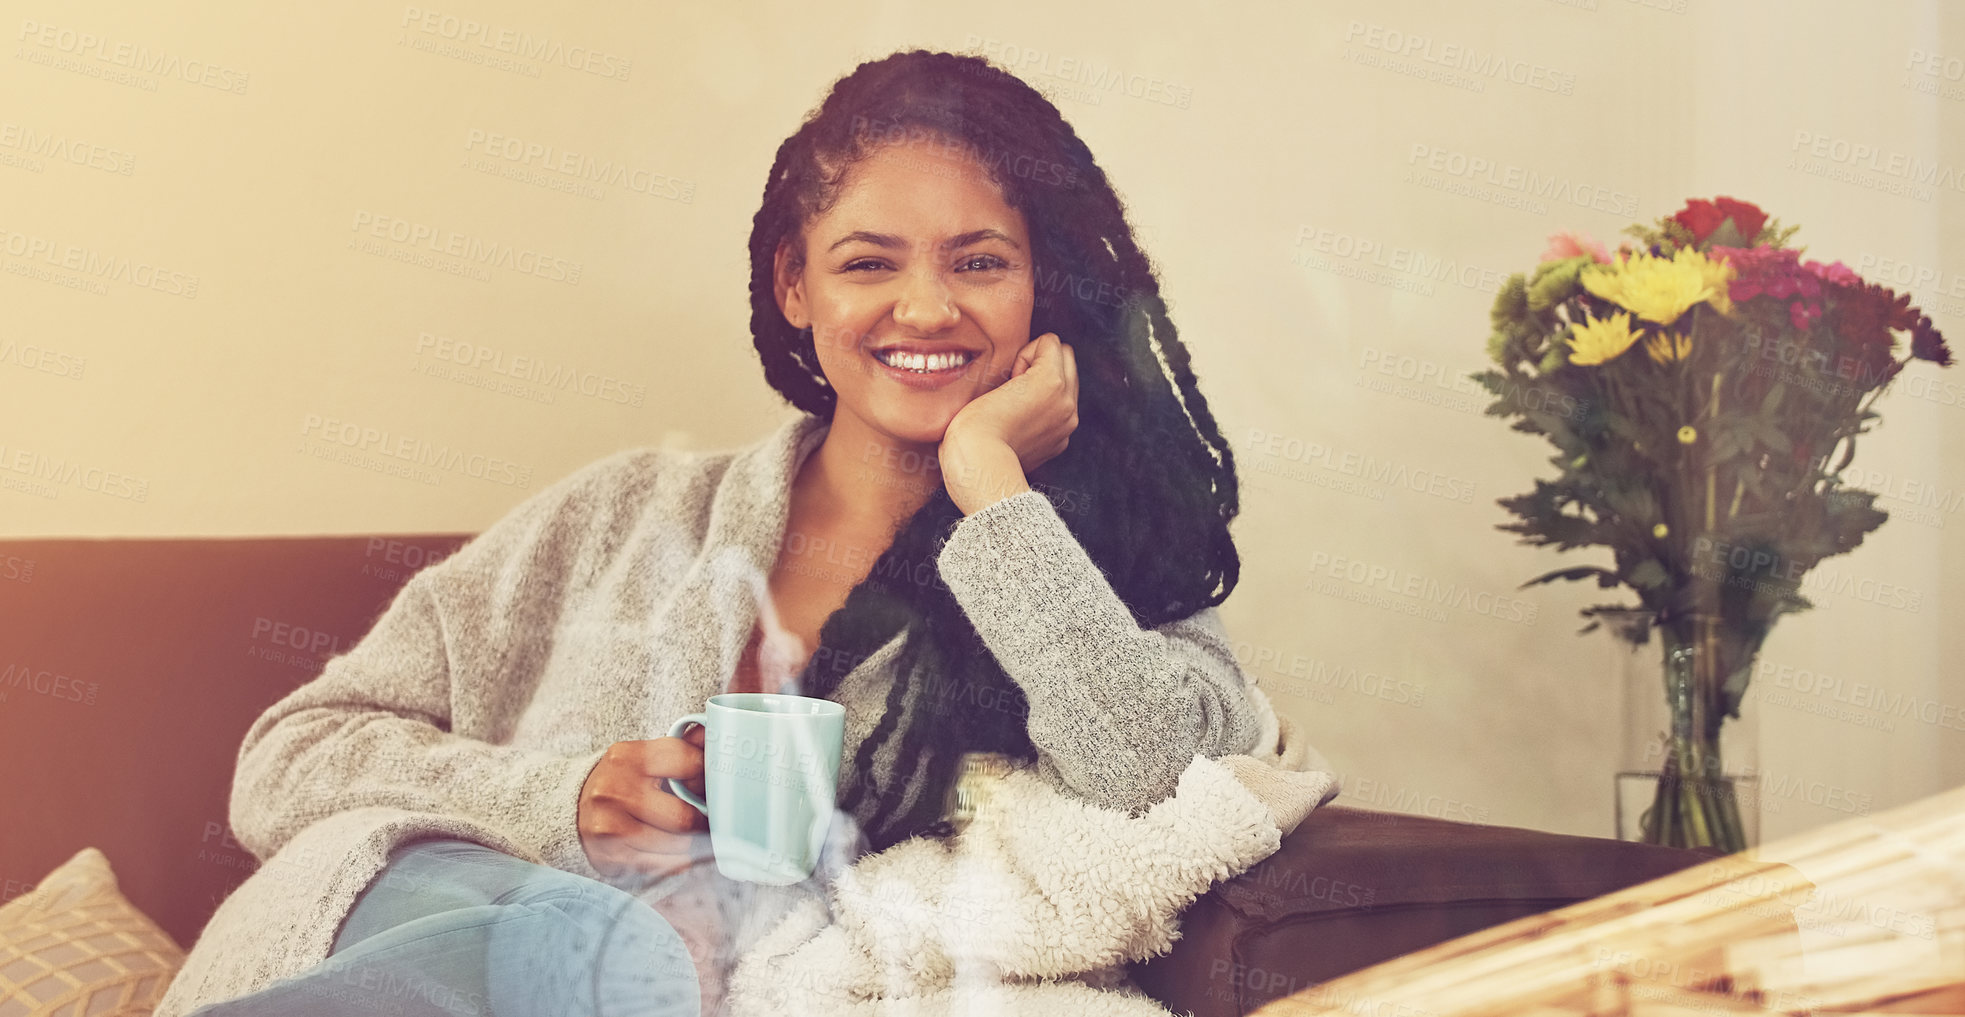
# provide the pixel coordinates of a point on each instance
(73, 946)
(1350, 888)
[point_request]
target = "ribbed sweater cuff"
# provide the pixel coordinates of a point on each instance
(548, 812)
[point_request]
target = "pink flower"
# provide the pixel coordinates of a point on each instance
(1834, 272)
(1567, 244)
(1780, 274)
(1766, 270)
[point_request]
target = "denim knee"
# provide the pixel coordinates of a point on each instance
(604, 925)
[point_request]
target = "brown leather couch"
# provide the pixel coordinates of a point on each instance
(130, 670)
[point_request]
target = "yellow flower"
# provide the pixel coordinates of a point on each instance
(1667, 349)
(1660, 530)
(1596, 342)
(1686, 435)
(1718, 275)
(1661, 289)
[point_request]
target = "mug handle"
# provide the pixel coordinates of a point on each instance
(675, 786)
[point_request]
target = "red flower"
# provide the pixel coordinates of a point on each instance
(1747, 217)
(1927, 343)
(1865, 317)
(1700, 216)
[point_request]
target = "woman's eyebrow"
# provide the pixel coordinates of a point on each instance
(974, 236)
(889, 240)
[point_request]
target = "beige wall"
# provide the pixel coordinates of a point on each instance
(193, 297)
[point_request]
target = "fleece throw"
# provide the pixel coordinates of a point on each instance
(1036, 905)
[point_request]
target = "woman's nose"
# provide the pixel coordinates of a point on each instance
(925, 303)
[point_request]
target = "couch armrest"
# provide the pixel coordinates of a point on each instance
(1350, 888)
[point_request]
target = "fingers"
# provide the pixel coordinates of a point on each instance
(1035, 352)
(627, 818)
(1057, 352)
(629, 782)
(615, 854)
(637, 838)
(1062, 363)
(1027, 357)
(660, 757)
(1065, 367)
(616, 842)
(663, 811)
(695, 736)
(626, 824)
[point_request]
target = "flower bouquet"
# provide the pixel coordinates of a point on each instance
(1704, 389)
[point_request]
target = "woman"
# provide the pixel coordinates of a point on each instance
(967, 542)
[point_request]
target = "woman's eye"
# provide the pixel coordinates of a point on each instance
(973, 263)
(984, 263)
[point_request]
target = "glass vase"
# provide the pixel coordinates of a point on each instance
(1689, 775)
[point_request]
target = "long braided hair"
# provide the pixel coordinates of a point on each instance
(1146, 483)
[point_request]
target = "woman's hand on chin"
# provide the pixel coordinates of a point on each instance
(996, 440)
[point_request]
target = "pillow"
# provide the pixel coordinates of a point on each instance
(74, 947)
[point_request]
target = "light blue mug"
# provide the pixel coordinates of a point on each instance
(771, 772)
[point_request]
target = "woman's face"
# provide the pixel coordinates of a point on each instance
(918, 288)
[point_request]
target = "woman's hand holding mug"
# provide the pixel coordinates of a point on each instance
(628, 820)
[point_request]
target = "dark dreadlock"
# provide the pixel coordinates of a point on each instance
(1147, 482)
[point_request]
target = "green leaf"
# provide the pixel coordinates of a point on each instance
(1848, 454)
(1604, 577)
(1633, 502)
(1727, 441)
(1558, 431)
(1556, 359)
(1727, 235)
(1755, 479)
(1497, 347)
(1773, 438)
(1510, 302)
(1772, 401)
(1848, 516)
(1649, 575)
(1631, 624)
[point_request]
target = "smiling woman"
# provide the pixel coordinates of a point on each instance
(916, 318)
(936, 256)
(935, 298)
(986, 558)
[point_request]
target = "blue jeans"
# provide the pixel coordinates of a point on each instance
(455, 929)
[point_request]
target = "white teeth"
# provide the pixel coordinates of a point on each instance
(923, 362)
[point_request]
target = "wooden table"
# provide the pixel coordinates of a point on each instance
(1865, 916)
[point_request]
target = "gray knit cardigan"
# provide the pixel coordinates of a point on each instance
(604, 607)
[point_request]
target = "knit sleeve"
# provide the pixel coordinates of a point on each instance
(411, 716)
(1117, 711)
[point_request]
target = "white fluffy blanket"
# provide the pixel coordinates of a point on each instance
(1036, 906)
